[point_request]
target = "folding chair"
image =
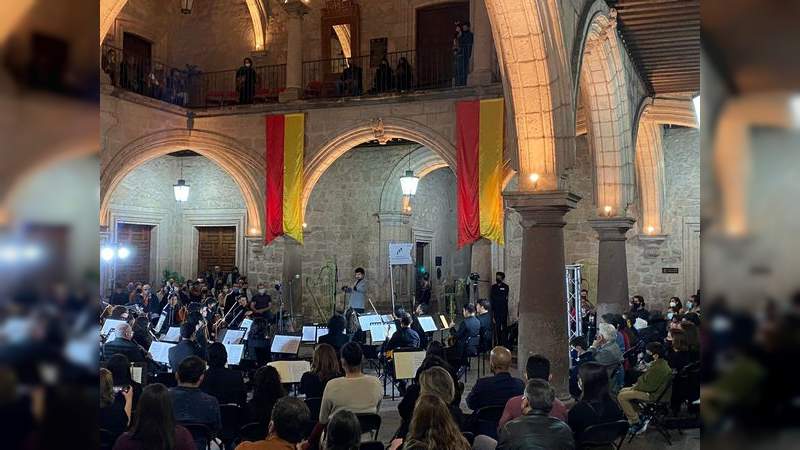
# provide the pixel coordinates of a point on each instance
(656, 411)
(201, 433)
(370, 423)
(231, 415)
(486, 420)
(603, 435)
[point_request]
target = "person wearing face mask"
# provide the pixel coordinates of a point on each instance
(637, 308)
(498, 299)
(232, 297)
(246, 82)
(260, 303)
(675, 307)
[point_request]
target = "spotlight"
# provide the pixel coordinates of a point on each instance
(123, 252)
(107, 253)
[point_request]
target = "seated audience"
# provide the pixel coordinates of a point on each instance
(692, 333)
(498, 388)
(123, 344)
(648, 387)
(404, 336)
(267, 390)
(606, 351)
(580, 356)
(115, 408)
(638, 309)
(680, 356)
(433, 427)
(324, 367)
(537, 367)
(286, 427)
(485, 319)
(120, 368)
(343, 432)
(191, 405)
(535, 429)
(596, 405)
(185, 348)
(336, 336)
(355, 391)
(436, 381)
(154, 426)
(226, 385)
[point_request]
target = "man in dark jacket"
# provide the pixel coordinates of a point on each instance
(485, 318)
(123, 344)
(498, 388)
(226, 385)
(467, 338)
(405, 336)
(499, 301)
(185, 348)
(190, 404)
(536, 430)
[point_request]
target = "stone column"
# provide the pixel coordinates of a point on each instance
(481, 73)
(612, 265)
(542, 297)
(296, 9)
(481, 262)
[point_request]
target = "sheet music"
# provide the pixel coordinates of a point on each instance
(309, 333)
(444, 321)
(321, 331)
(387, 318)
(291, 371)
(161, 321)
(246, 324)
(377, 333)
(365, 320)
(160, 351)
(233, 337)
(173, 335)
(407, 363)
(110, 324)
(285, 344)
(427, 323)
(235, 353)
(136, 374)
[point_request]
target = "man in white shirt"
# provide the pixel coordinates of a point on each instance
(355, 392)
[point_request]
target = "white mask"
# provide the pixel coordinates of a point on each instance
(672, 304)
(262, 291)
(689, 305)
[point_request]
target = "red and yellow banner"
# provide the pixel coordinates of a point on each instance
(479, 170)
(285, 136)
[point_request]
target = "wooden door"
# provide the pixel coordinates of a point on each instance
(216, 247)
(137, 266)
(435, 32)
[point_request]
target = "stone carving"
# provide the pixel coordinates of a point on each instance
(377, 131)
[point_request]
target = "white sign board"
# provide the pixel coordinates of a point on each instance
(400, 253)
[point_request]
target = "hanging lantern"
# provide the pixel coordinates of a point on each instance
(181, 190)
(408, 183)
(186, 6)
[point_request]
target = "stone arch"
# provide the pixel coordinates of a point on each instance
(607, 103)
(110, 9)
(423, 162)
(349, 138)
(530, 50)
(231, 155)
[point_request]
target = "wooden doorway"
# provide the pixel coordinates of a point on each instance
(435, 32)
(216, 246)
(137, 266)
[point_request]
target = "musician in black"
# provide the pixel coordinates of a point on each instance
(404, 337)
(467, 337)
(121, 341)
(485, 319)
(420, 310)
(499, 301)
(238, 313)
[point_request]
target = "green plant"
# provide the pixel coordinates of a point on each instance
(173, 275)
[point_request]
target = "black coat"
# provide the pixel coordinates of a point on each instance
(132, 350)
(337, 341)
(403, 337)
(486, 331)
(468, 336)
(226, 385)
(535, 431)
(182, 350)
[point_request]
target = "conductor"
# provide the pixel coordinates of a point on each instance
(358, 293)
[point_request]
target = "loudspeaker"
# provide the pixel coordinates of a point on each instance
(438, 261)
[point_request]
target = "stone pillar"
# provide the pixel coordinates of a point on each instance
(612, 265)
(481, 73)
(542, 297)
(296, 9)
(481, 262)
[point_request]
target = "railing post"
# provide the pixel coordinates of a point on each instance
(294, 57)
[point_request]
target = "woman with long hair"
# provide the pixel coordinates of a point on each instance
(154, 426)
(433, 428)
(267, 389)
(596, 405)
(324, 367)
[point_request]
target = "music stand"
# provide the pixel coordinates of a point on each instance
(285, 344)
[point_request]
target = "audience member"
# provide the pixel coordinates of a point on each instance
(115, 407)
(638, 308)
(246, 82)
(434, 380)
(287, 425)
(355, 391)
(648, 387)
(267, 390)
(185, 348)
(226, 385)
(120, 367)
(154, 424)
(191, 405)
(606, 351)
(336, 336)
(404, 74)
(596, 405)
(384, 79)
(433, 427)
(537, 367)
(324, 367)
(123, 344)
(692, 333)
(498, 388)
(580, 356)
(535, 429)
(343, 432)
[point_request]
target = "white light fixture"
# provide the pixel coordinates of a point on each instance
(534, 177)
(123, 252)
(651, 229)
(107, 253)
(696, 103)
(409, 182)
(181, 189)
(305, 225)
(607, 211)
(186, 6)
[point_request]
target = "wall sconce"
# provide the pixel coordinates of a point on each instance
(534, 177)
(651, 229)
(607, 211)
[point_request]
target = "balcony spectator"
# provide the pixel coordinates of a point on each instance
(384, 79)
(404, 75)
(246, 82)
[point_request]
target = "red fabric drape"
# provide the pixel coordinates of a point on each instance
(467, 127)
(276, 126)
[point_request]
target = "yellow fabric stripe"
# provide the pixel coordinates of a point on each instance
(294, 133)
(490, 165)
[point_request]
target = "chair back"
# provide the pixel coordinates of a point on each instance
(370, 422)
(487, 419)
(314, 404)
(603, 435)
(231, 415)
(201, 433)
(371, 445)
(253, 431)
